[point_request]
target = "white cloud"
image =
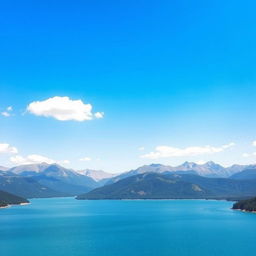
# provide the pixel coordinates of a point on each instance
(141, 148)
(63, 109)
(85, 159)
(34, 159)
(65, 162)
(5, 113)
(31, 159)
(254, 143)
(6, 148)
(200, 162)
(166, 151)
(99, 114)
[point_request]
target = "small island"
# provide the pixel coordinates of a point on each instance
(248, 205)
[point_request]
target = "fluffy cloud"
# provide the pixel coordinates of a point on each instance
(85, 159)
(63, 109)
(34, 159)
(166, 151)
(141, 148)
(254, 143)
(6, 148)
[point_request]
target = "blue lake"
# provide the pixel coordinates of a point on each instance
(68, 227)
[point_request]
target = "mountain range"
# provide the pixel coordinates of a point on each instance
(26, 187)
(66, 181)
(209, 169)
(53, 180)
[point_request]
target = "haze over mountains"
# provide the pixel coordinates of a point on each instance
(209, 169)
(53, 180)
(97, 175)
(2, 168)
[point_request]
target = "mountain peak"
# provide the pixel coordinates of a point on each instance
(211, 163)
(213, 166)
(37, 168)
(155, 165)
(189, 164)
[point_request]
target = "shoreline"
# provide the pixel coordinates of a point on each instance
(156, 199)
(22, 204)
(240, 210)
(10, 205)
(4, 207)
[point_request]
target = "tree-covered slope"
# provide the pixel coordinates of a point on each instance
(26, 187)
(148, 186)
(248, 174)
(57, 178)
(9, 199)
(171, 186)
(246, 205)
(223, 187)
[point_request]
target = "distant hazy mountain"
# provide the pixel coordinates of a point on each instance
(97, 175)
(2, 168)
(209, 169)
(156, 168)
(25, 187)
(29, 169)
(9, 199)
(56, 177)
(238, 168)
(168, 186)
(247, 174)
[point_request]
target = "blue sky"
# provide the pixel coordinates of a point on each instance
(179, 74)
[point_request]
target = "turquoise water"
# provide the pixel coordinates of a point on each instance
(68, 227)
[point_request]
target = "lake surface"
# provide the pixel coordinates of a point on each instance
(68, 227)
